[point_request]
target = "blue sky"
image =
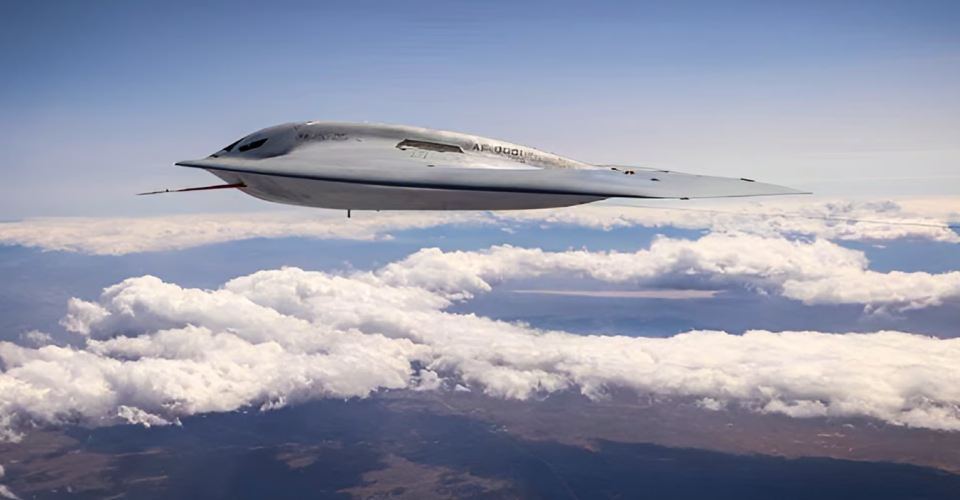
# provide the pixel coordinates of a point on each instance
(98, 100)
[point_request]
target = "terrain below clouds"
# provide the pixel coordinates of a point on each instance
(425, 445)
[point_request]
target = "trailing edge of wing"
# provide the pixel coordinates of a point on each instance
(593, 183)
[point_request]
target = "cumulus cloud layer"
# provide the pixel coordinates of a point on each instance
(923, 219)
(124, 235)
(815, 272)
(118, 236)
(155, 352)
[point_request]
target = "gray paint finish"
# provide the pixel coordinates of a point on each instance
(393, 167)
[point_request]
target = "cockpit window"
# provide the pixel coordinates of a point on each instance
(231, 146)
(429, 146)
(252, 145)
(228, 148)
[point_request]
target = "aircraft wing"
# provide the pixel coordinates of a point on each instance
(600, 183)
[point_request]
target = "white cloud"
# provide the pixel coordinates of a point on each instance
(908, 290)
(828, 219)
(6, 493)
(118, 236)
(7, 432)
(37, 338)
(815, 272)
(155, 352)
(124, 235)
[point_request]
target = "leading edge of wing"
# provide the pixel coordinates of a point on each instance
(593, 183)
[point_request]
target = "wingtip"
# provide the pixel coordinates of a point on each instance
(777, 190)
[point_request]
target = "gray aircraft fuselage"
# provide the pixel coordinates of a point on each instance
(393, 167)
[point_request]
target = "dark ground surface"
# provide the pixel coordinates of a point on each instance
(405, 446)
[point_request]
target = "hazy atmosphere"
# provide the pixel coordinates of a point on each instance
(213, 345)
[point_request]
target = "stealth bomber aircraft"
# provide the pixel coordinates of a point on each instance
(360, 166)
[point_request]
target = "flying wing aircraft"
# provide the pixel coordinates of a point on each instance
(353, 166)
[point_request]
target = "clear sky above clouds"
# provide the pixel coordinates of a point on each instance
(851, 98)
